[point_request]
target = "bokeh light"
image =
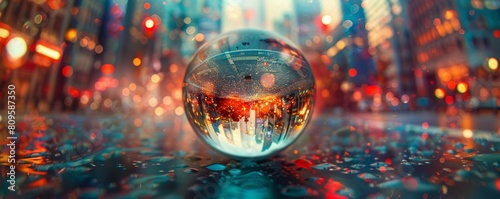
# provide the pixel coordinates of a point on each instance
(155, 78)
(439, 93)
(462, 87)
(67, 71)
(493, 63)
(326, 19)
(107, 69)
(16, 47)
(467, 133)
(149, 23)
(137, 61)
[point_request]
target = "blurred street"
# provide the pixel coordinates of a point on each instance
(355, 156)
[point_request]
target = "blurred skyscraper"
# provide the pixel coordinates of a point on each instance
(45, 25)
(387, 24)
(82, 39)
(308, 18)
(243, 14)
(286, 27)
(457, 46)
(348, 45)
(208, 21)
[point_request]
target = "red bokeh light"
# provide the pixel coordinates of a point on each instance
(67, 71)
(352, 72)
(425, 125)
(449, 100)
(372, 90)
(73, 91)
(107, 69)
(496, 33)
(147, 5)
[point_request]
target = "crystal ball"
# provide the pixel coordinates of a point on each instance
(248, 93)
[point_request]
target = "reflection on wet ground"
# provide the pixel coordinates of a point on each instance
(69, 156)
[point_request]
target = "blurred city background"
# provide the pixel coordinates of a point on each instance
(124, 56)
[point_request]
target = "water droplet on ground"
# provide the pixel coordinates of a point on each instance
(234, 171)
(469, 150)
(324, 166)
(459, 145)
(451, 151)
(180, 153)
(190, 170)
(161, 159)
(180, 166)
(316, 180)
(303, 164)
(216, 167)
(492, 157)
(410, 184)
(367, 176)
(358, 166)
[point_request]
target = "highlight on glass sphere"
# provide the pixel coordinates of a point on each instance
(248, 93)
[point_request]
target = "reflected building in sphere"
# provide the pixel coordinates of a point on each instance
(454, 42)
(249, 93)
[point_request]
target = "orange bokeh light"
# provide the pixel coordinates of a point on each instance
(147, 5)
(107, 69)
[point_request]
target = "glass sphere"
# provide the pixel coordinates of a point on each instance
(248, 93)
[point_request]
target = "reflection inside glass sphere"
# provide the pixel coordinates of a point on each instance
(248, 93)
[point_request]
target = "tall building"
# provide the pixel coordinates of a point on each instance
(243, 14)
(348, 45)
(37, 24)
(457, 47)
(157, 41)
(388, 39)
(286, 27)
(308, 14)
(346, 55)
(281, 18)
(82, 47)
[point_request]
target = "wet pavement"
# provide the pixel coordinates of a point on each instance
(145, 156)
